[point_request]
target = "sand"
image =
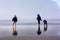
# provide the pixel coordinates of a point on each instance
(29, 32)
(31, 38)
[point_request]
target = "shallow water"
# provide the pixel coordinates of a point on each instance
(29, 30)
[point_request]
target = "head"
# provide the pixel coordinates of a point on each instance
(38, 15)
(14, 15)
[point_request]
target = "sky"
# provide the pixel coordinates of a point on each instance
(58, 2)
(28, 9)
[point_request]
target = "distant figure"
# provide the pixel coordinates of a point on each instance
(45, 25)
(39, 19)
(14, 25)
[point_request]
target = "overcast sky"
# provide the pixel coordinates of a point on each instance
(28, 9)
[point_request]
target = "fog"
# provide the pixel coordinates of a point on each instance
(28, 9)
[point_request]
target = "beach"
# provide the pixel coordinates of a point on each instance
(29, 32)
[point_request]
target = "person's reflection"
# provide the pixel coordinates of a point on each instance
(39, 31)
(14, 25)
(39, 19)
(45, 25)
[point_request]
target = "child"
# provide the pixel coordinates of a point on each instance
(45, 25)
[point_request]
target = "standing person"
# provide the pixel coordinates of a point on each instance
(14, 24)
(38, 19)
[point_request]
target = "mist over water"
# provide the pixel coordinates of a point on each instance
(30, 22)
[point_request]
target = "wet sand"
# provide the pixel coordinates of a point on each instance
(29, 32)
(31, 38)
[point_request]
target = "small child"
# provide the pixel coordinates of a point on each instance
(45, 25)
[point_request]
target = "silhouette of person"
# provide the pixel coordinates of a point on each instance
(45, 25)
(14, 24)
(38, 19)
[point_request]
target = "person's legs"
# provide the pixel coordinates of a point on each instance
(38, 24)
(45, 27)
(14, 26)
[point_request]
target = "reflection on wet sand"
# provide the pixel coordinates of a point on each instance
(39, 31)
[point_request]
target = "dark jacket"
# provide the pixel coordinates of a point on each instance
(39, 18)
(14, 19)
